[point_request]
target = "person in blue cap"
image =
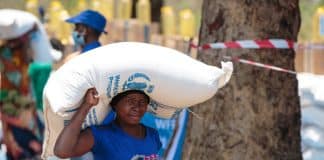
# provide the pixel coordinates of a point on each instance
(89, 25)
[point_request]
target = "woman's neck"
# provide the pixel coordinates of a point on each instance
(136, 130)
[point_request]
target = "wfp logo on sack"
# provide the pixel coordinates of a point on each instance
(136, 81)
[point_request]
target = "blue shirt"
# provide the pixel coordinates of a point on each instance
(111, 142)
(91, 46)
(109, 118)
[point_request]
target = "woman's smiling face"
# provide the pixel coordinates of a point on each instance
(132, 107)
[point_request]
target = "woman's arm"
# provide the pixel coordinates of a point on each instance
(72, 141)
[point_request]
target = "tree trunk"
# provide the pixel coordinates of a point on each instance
(257, 114)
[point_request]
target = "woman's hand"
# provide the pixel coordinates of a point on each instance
(91, 97)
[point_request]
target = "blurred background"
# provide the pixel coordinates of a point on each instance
(181, 19)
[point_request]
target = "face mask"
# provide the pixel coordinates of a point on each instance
(78, 39)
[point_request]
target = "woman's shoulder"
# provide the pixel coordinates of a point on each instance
(103, 128)
(150, 130)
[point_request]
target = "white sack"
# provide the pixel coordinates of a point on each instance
(169, 77)
(15, 23)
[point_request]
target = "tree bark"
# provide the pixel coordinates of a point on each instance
(257, 114)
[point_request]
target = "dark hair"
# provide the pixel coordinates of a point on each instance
(121, 95)
(57, 44)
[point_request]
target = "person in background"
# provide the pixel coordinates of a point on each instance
(89, 25)
(123, 139)
(22, 136)
(41, 13)
(24, 41)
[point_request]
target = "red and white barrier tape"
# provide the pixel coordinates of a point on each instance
(258, 44)
(250, 44)
(260, 65)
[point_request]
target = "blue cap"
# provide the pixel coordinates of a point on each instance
(90, 18)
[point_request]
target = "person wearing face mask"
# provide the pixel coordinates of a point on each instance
(89, 25)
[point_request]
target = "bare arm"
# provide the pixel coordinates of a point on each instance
(72, 141)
